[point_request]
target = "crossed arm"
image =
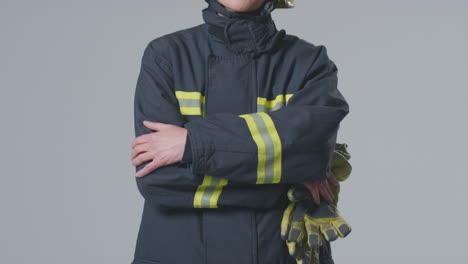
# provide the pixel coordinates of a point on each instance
(255, 148)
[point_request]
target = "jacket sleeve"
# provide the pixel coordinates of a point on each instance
(289, 145)
(175, 186)
(154, 100)
(187, 156)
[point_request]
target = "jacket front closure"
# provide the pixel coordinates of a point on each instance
(232, 88)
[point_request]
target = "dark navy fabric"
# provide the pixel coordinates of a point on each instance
(187, 156)
(233, 63)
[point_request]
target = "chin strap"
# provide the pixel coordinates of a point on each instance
(262, 11)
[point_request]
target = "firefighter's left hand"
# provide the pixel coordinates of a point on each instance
(164, 147)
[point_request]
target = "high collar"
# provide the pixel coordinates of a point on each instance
(254, 34)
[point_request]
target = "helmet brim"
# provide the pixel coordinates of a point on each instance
(284, 4)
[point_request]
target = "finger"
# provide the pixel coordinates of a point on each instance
(335, 190)
(328, 189)
(139, 149)
(140, 140)
(142, 158)
(332, 179)
(293, 249)
(313, 189)
(154, 125)
(305, 256)
(342, 228)
(325, 193)
(328, 231)
(297, 231)
(147, 169)
(286, 220)
(315, 257)
(313, 234)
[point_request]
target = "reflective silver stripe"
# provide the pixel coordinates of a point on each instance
(265, 136)
(191, 103)
(269, 148)
(264, 105)
(206, 198)
(207, 194)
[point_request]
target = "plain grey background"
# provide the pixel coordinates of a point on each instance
(68, 72)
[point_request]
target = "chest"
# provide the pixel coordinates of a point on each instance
(235, 84)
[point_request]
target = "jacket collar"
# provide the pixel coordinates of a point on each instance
(254, 33)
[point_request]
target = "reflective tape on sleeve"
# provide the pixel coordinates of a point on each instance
(265, 136)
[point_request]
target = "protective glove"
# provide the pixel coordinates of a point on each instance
(293, 232)
(340, 166)
(307, 227)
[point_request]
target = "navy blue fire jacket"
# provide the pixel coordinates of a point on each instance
(262, 111)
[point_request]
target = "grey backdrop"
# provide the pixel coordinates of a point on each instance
(68, 71)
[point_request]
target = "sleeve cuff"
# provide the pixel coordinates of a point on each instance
(187, 156)
(198, 147)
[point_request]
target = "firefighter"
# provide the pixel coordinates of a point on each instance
(229, 114)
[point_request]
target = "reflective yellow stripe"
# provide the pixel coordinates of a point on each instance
(276, 144)
(217, 192)
(265, 136)
(207, 194)
(197, 200)
(209, 191)
(270, 105)
(191, 103)
(188, 95)
(191, 110)
(260, 147)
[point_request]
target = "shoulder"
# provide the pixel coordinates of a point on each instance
(166, 43)
(167, 49)
(310, 59)
(306, 50)
(313, 56)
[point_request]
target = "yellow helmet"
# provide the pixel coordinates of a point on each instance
(284, 3)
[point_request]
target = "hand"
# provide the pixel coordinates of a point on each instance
(305, 227)
(164, 147)
(322, 188)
